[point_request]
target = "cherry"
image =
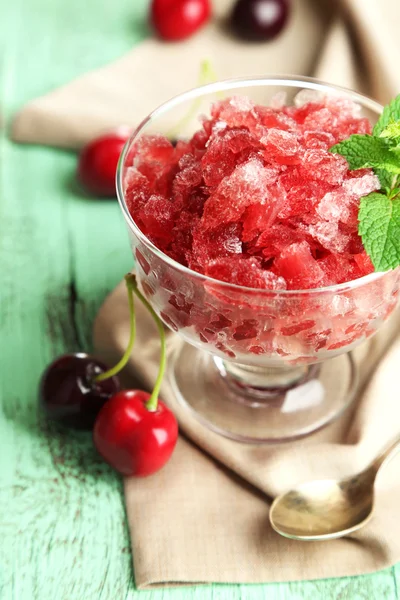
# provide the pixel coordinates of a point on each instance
(259, 20)
(69, 393)
(135, 432)
(75, 387)
(178, 19)
(132, 430)
(133, 439)
(97, 164)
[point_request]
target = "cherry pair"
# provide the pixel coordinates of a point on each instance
(255, 20)
(133, 430)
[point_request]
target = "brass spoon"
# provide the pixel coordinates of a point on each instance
(325, 509)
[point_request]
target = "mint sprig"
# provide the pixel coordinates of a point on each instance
(379, 212)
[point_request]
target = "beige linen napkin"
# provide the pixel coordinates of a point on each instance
(204, 518)
(351, 47)
(125, 91)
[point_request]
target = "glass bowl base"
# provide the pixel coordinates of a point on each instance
(255, 405)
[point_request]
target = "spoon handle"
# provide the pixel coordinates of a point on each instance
(389, 452)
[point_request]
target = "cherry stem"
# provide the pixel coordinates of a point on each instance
(152, 402)
(124, 360)
(132, 288)
(206, 75)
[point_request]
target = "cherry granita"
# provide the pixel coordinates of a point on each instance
(256, 199)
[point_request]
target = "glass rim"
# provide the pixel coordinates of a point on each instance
(223, 85)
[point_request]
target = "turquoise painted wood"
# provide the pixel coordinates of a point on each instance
(63, 533)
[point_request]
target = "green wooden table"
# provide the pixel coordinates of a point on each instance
(63, 534)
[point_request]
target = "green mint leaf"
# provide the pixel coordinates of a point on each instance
(392, 131)
(363, 151)
(386, 179)
(379, 228)
(395, 191)
(390, 113)
(395, 147)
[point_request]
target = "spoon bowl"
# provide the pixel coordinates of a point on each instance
(322, 509)
(329, 508)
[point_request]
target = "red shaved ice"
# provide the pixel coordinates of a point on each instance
(255, 197)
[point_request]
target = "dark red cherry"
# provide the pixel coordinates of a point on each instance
(259, 20)
(69, 394)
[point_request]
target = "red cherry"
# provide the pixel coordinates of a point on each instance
(178, 19)
(98, 162)
(133, 439)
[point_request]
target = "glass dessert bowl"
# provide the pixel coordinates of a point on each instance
(259, 365)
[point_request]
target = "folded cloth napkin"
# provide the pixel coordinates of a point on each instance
(204, 518)
(356, 45)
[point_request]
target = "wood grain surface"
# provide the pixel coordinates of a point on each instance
(63, 534)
